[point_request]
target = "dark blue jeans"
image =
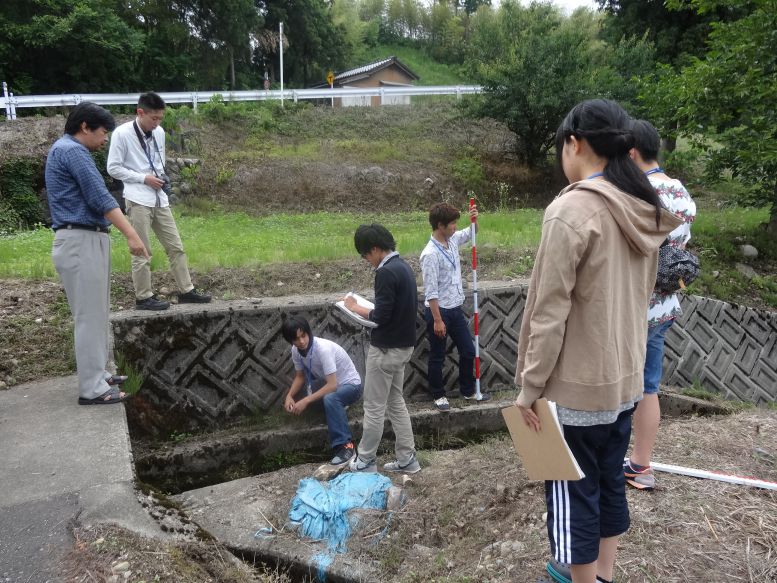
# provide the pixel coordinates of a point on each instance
(458, 329)
(334, 406)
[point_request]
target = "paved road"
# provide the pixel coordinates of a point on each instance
(60, 464)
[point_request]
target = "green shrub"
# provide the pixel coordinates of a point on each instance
(20, 179)
(469, 172)
(10, 221)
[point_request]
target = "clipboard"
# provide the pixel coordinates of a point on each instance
(544, 453)
(353, 315)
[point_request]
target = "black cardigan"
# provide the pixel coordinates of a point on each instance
(396, 305)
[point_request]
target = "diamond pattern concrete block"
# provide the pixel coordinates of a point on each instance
(266, 388)
(720, 360)
(728, 327)
(688, 304)
(670, 368)
(228, 352)
(739, 384)
(765, 378)
(769, 351)
(747, 355)
(706, 309)
(214, 397)
(176, 362)
(704, 335)
(208, 368)
(757, 326)
(710, 382)
(676, 341)
(691, 363)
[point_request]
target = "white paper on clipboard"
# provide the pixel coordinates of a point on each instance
(353, 315)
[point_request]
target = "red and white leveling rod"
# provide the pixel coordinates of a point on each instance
(719, 476)
(473, 232)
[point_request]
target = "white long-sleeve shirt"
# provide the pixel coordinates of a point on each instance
(129, 163)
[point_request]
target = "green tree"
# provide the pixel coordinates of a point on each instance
(315, 43)
(534, 65)
(676, 32)
(56, 46)
(171, 58)
(725, 101)
(228, 25)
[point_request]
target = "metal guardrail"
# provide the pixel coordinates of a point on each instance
(11, 102)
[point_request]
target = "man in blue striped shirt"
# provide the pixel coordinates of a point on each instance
(82, 210)
(444, 296)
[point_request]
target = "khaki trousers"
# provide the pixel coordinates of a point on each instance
(144, 219)
(83, 262)
(383, 397)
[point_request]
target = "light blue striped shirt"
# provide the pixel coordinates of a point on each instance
(441, 270)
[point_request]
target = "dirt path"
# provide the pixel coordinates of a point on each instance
(472, 516)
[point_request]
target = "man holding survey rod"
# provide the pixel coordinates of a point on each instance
(582, 338)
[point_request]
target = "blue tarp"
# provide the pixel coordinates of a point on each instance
(320, 508)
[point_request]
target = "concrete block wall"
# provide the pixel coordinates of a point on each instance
(208, 367)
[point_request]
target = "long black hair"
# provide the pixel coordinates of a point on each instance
(607, 128)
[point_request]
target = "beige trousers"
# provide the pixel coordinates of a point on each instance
(383, 397)
(144, 219)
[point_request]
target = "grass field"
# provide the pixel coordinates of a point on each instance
(218, 239)
(234, 240)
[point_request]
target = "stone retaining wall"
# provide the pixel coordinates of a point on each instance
(210, 367)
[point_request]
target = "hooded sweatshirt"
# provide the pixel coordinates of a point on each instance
(583, 335)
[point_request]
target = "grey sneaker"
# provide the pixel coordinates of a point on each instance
(357, 464)
(483, 397)
(559, 572)
(410, 467)
(151, 303)
(343, 454)
(442, 404)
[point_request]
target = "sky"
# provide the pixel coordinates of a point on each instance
(570, 5)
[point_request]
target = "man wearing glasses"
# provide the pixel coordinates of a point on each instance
(137, 158)
(82, 210)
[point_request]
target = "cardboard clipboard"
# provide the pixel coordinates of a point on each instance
(544, 453)
(353, 315)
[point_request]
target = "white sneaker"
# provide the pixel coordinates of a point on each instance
(410, 467)
(357, 464)
(442, 404)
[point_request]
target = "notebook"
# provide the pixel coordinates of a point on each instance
(353, 315)
(545, 454)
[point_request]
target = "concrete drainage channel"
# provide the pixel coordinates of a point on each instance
(226, 481)
(219, 457)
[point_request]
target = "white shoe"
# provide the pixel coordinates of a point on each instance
(442, 404)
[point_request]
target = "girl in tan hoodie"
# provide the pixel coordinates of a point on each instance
(582, 338)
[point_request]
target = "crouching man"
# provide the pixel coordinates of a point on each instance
(329, 378)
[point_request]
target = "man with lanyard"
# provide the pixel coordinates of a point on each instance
(329, 377)
(444, 293)
(82, 210)
(391, 346)
(137, 158)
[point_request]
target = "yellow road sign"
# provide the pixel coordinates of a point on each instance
(330, 77)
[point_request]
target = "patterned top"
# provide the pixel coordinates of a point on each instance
(75, 189)
(665, 306)
(441, 269)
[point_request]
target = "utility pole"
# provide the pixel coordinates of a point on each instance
(280, 40)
